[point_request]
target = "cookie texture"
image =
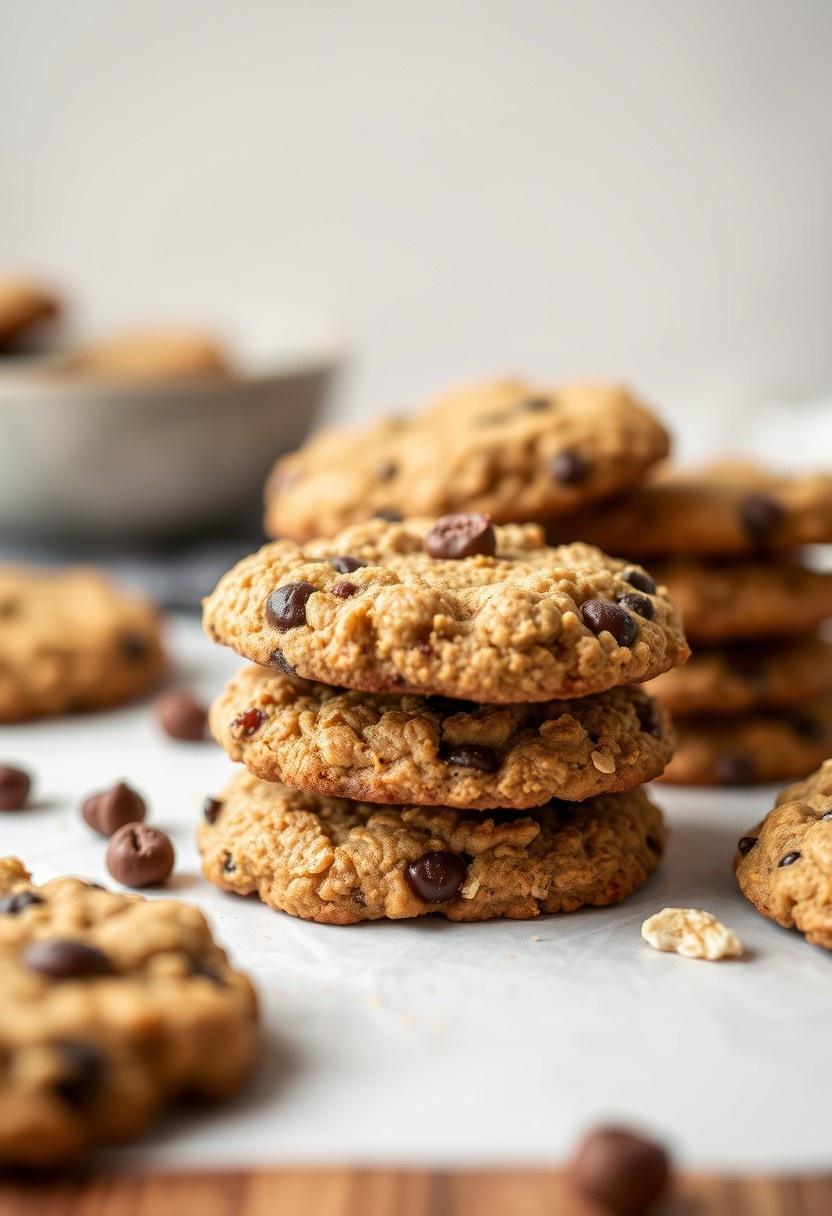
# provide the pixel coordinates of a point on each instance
(400, 748)
(340, 862)
(71, 640)
(784, 864)
(509, 447)
(113, 1008)
(751, 748)
(747, 677)
(371, 609)
(24, 306)
(730, 509)
(172, 353)
(723, 602)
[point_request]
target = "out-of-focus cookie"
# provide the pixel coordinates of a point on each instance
(784, 864)
(71, 640)
(730, 509)
(340, 862)
(114, 1007)
(457, 608)
(746, 677)
(398, 748)
(172, 353)
(509, 447)
(24, 307)
(753, 748)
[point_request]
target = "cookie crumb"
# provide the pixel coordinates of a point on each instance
(691, 933)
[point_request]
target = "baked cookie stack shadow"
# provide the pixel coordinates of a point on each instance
(755, 702)
(442, 716)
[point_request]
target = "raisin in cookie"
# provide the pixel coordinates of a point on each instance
(24, 307)
(459, 608)
(426, 751)
(784, 865)
(340, 862)
(728, 510)
(751, 748)
(72, 640)
(746, 677)
(113, 1007)
(507, 447)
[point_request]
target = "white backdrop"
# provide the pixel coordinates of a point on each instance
(641, 189)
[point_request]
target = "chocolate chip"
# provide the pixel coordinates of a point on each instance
(649, 718)
(601, 616)
(436, 877)
(109, 810)
(181, 715)
(63, 958)
(82, 1072)
(344, 590)
(735, 768)
(14, 904)
(286, 606)
(456, 536)
(140, 856)
(248, 722)
(745, 844)
(569, 467)
(534, 405)
(472, 755)
(211, 808)
(809, 729)
(228, 866)
(390, 514)
(639, 579)
(15, 786)
(620, 1171)
(279, 662)
(761, 516)
(639, 604)
(387, 470)
(788, 859)
(134, 646)
(447, 706)
(653, 844)
(346, 564)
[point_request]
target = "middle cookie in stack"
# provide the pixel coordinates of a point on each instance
(487, 672)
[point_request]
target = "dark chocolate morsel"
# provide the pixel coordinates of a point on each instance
(286, 606)
(437, 877)
(457, 536)
(601, 616)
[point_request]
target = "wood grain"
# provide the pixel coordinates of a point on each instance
(345, 1192)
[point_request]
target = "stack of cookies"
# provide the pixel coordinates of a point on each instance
(443, 717)
(755, 702)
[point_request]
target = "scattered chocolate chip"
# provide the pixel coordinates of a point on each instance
(181, 715)
(387, 470)
(228, 866)
(346, 564)
(82, 1072)
(602, 616)
(456, 536)
(649, 718)
(15, 786)
(653, 844)
(448, 706)
(134, 646)
(638, 604)
(344, 590)
(12, 905)
(286, 606)
(109, 810)
(390, 514)
(436, 877)
(248, 722)
(639, 579)
(279, 662)
(745, 844)
(472, 755)
(734, 768)
(569, 467)
(620, 1171)
(63, 958)
(140, 856)
(211, 808)
(809, 729)
(788, 859)
(761, 516)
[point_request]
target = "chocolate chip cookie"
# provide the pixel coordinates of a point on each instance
(113, 1008)
(340, 862)
(784, 864)
(25, 306)
(71, 640)
(751, 748)
(727, 602)
(431, 751)
(509, 447)
(747, 677)
(457, 608)
(732, 509)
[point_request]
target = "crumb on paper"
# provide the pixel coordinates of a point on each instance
(692, 933)
(535, 937)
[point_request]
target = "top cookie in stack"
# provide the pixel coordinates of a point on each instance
(755, 703)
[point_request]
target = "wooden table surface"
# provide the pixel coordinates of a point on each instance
(349, 1192)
